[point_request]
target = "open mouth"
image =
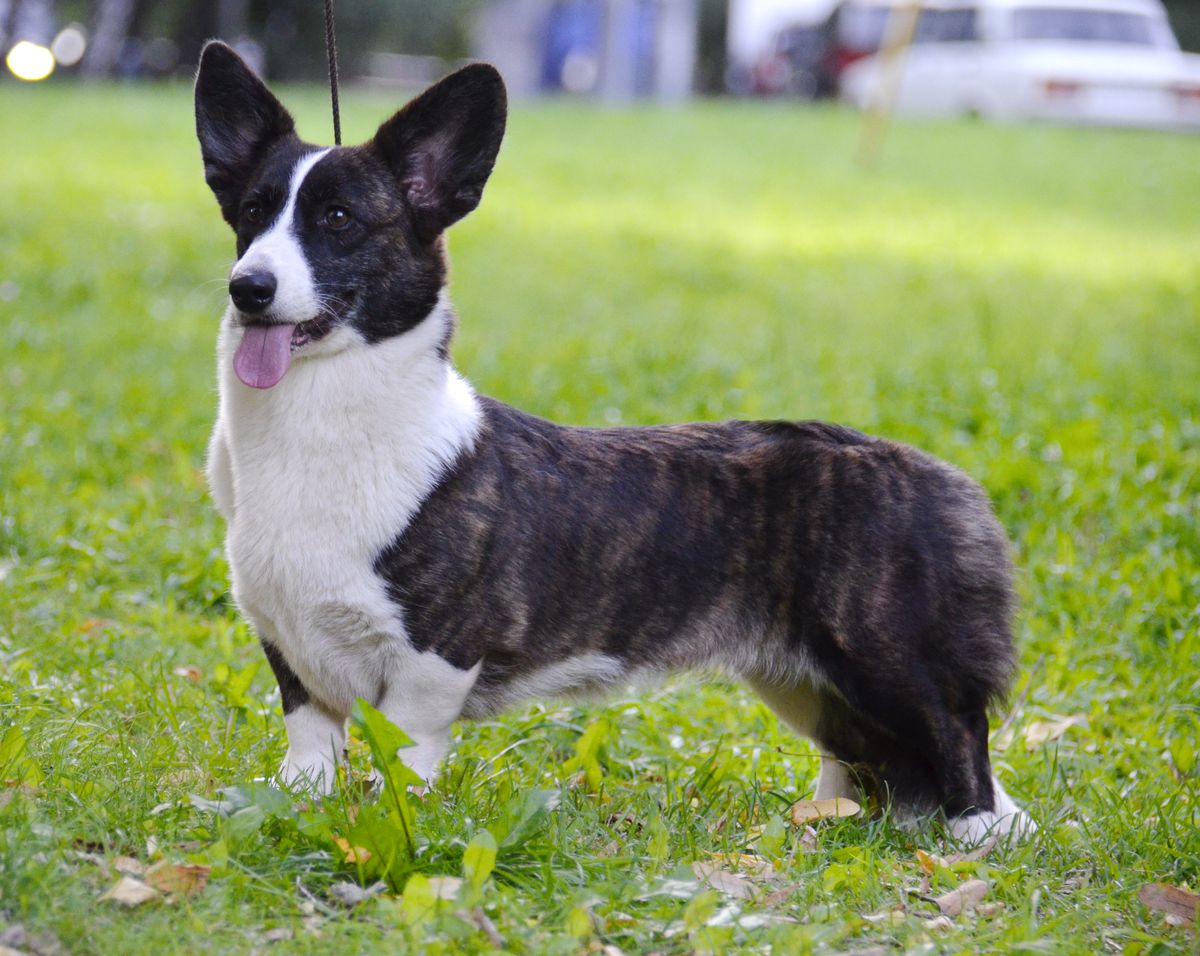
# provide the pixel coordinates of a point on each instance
(311, 331)
(265, 352)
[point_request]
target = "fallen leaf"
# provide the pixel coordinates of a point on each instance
(746, 862)
(731, 884)
(129, 866)
(351, 894)
(807, 811)
(988, 910)
(445, 887)
(348, 894)
(352, 854)
(190, 671)
(930, 861)
(939, 924)
(1171, 900)
(778, 896)
(178, 879)
(130, 892)
(964, 897)
(893, 917)
(1038, 732)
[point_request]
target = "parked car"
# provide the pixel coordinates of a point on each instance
(1107, 62)
(808, 59)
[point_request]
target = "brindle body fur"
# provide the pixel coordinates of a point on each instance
(799, 556)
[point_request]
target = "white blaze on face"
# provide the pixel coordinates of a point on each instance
(264, 354)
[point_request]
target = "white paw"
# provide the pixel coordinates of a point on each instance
(314, 772)
(976, 828)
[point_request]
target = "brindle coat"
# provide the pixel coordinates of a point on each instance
(791, 554)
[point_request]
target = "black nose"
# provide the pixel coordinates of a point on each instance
(253, 291)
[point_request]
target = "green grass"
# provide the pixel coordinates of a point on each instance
(1022, 302)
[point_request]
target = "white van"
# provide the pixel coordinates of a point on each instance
(1107, 62)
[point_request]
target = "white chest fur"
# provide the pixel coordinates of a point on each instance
(316, 476)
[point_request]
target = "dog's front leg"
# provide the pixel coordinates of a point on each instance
(220, 472)
(316, 736)
(423, 696)
(316, 740)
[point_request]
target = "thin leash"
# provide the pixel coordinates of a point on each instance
(331, 49)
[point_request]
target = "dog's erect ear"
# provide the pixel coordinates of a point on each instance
(237, 120)
(442, 146)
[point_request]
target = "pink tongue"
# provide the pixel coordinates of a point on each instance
(264, 355)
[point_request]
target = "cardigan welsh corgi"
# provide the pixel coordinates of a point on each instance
(394, 536)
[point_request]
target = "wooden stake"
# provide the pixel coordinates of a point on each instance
(901, 27)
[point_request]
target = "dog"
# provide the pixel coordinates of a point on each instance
(394, 536)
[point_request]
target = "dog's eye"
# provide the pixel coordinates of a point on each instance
(254, 213)
(336, 218)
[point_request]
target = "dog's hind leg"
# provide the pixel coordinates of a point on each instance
(423, 695)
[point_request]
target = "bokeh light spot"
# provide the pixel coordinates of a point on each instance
(28, 61)
(70, 44)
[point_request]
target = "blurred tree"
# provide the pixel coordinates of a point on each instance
(293, 32)
(7, 10)
(1185, 17)
(109, 28)
(710, 51)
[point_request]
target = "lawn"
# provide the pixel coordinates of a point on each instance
(1021, 302)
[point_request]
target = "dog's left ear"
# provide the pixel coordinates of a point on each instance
(237, 121)
(442, 146)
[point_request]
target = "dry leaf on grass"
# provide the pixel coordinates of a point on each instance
(931, 861)
(351, 894)
(189, 671)
(178, 879)
(869, 951)
(893, 917)
(445, 887)
(130, 892)
(756, 866)
(731, 884)
(129, 866)
(1038, 732)
(15, 939)
(807, 811)
(352, 854)
(776, 897)
(965, 897)
(1178, 905)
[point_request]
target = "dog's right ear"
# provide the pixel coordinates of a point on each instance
(237, 121)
